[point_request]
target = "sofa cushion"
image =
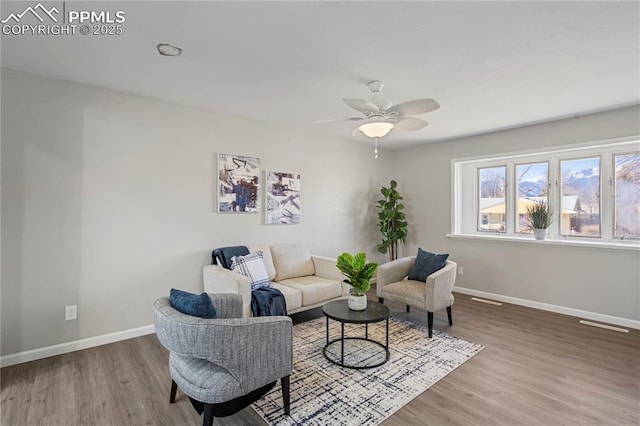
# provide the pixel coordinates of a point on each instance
(314, 289)
(427, 263)
(292, 297)
(195, 376)
(406, 291)
(266, 256)
(411, 292)
(197, 305)
(291, 261)
(252, 266)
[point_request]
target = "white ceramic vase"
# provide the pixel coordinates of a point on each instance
(540, 234)
(357, 303)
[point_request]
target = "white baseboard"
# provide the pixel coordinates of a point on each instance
(76, 345)
(625, 322)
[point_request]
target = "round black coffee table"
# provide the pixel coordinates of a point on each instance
(338, 310)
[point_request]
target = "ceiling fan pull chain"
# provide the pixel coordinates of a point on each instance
(375, 151)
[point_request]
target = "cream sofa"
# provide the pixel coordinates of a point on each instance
(306, 281)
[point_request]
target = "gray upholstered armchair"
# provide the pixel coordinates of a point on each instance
(431, 296)
(227, 363)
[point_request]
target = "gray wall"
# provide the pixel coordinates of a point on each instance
(600, 280)
(108, 201)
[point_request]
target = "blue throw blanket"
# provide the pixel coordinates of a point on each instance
(267, 301)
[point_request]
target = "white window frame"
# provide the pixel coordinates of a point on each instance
(612, 183)
(506, 199)
(465, 216)
(560, 195)
(515, 191)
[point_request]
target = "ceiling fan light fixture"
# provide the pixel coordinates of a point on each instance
(376, 129)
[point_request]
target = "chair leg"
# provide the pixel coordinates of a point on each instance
(449, 315)
(174, 388)
(381, 300)
(208, 415)
(286, 400)
(408, 308)
(430, 323)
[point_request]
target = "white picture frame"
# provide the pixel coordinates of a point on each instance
(282, 198)
(238, 184)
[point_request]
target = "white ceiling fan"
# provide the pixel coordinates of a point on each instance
(380, 116)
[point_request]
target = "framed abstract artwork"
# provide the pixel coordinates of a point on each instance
(282, 198)
(238, 184)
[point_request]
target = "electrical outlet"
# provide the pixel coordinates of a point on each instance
(71, 312)
(460, 270)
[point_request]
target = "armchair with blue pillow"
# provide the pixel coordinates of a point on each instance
(200, 331)
(424, 281)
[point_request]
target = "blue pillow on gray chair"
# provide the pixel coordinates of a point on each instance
(197, 305)
(426, 264)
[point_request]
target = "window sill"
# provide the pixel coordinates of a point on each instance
(566, 242)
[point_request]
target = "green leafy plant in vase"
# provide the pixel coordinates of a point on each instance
(358, 273)
(538, 218)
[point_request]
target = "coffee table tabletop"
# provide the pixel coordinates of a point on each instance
(339, 311)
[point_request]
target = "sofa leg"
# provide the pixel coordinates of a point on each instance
(286, 394)
(381, 300)
(208, 415)
(449, 315)
(174, 388)
(408, 308)
(430, 323)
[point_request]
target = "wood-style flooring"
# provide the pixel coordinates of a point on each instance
(538, 368)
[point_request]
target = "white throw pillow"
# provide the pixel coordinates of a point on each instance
(252, 266)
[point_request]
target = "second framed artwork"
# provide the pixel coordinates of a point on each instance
(282, 198)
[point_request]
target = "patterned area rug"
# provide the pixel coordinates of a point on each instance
(326, 394)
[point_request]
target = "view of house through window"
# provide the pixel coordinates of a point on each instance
(627, 196)
(493, 202)
(592, 190)
(580, 197)
(532, 186)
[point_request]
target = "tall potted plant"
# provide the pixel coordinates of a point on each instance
(538, 218)
(358, 274)
(391, 220)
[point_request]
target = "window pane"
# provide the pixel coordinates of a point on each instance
(627, 196)
(532, 183)
(580, 197)
(492, 205)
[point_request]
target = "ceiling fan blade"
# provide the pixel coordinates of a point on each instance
(410, 123)
(333, 120)
(362, 105)
(415, 107)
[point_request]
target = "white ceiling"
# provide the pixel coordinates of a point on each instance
(491, 65)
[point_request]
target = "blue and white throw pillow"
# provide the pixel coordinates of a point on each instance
(252, 266)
